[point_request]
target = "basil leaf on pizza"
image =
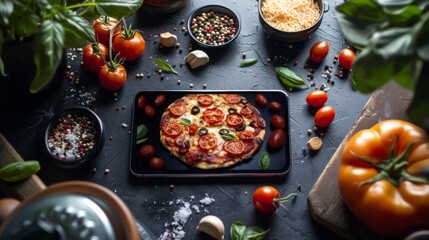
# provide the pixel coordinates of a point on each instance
(228, 137)
(185, 121)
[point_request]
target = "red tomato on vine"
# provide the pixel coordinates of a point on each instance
(102, 28)
(129, 45)
(94, 56)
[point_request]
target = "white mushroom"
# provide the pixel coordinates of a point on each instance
(212, 226)
(168, 39)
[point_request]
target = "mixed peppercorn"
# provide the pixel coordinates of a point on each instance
(213, 28)
(72, 137)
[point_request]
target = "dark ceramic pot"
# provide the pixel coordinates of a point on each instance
(163, 6)
(296, 36)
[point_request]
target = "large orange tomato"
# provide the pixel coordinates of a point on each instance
(383, 177)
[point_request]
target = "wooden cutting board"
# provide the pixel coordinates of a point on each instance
(324, 201)
(22, 189)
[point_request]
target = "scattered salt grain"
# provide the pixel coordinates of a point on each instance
(207, 200)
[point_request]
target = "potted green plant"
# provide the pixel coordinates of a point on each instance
(53, 25)
(394, 39)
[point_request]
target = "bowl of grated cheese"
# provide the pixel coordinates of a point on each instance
(291, 20)
(73, 137)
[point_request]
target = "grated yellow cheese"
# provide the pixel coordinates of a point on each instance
(290, 15)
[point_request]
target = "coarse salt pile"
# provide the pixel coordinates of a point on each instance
(181, 217)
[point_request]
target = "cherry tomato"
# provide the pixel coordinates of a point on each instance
(319, 51)
(173, 129)
(177, 110)
(275, 106)
(159, 100)
(324, 116)
(131, 48)
(92, 61)
(213, 115)
(317, 98)
(141, 102)
(207, 142)
(347, 57)
(263, 199)
(156, 163)
(112, 80)
(150, 112)
(234, 148)
(193, 129)
(277, 139)
(234, 120)
(261, 100)
(147, 151)
(205, 100)
(232, 98)
(246, 111)
(278, 122)
(246, 135)
(102, 28)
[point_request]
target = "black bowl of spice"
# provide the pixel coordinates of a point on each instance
(73, 137)
(213, 26)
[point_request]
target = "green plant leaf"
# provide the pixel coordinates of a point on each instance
(371, 70)
(141, 131)
(18, 171)
(289, 77)
(70, 41)
(363, 10)
(112, 8)
(185, 121)
(264, 161)
(228, 137)
(76, 25)
(248, 62)
(418, 109)
(237, 231)
(49, 50)
(256, 233)
(404, 16)
(407, 71)
(354, 85)
(164, 65)
(141, 140)
(422, 36)
(6, 9)
(24, 23)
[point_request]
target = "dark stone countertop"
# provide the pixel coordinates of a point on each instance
(151, 200)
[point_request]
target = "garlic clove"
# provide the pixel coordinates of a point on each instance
(168, 39)
(197, 58)
(212, 226)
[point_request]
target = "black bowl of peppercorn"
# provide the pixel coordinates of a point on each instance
(73, 137)
(213, 26)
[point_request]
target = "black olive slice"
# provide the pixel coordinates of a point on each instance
(223, 131)
(241, 127)
(232, 110)
(195, 110)
(203, 131)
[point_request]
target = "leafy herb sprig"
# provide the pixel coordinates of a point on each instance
(289, 77)
(18, 171)
(248, 62)
(141, 134)
(265, 161)
(164, 65)
(394, 38)
(239, 231)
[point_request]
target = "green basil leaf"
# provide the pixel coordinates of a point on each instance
(141, 131)
(237, 231)
(49, 51)
(354, 85)
(363, 10)
(141, 140)
(164, 65)
(423, 37)
(112, 8)
(289, 77)
(248, 62)
(404, 16)
(185, 121)
(418, 109)
(18, 171)
(228, 137)
(76, 25)
(24, 23)
(264, 161)
(394, 3)
(256, 233)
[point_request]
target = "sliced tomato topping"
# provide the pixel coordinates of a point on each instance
(234, 120)
(173, 129)
(193, 129)
(233, 98)
(246, 111)
(234, 147)
(205, 100)
(246, 135)
(213, 115)
(207, 142)
(177, 110)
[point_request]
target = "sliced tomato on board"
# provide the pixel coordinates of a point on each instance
(173, 129)
(234, 120)
(207, 142)
(233, 98)
(213, 115)
(177, 110)
(205, 100)
(234, 147)
(193, 129)
(246, 111)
